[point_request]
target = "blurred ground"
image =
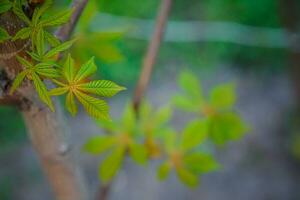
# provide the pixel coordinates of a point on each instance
(257, 167)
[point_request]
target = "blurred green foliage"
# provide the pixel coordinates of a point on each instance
(148, 134)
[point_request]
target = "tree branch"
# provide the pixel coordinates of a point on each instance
(147, 68)
(152, 52)
(64, 32)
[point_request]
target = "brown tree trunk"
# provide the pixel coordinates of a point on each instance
(46, 130)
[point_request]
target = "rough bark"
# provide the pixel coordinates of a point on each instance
(46, 129)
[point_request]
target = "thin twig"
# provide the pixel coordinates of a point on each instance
(64, 32)
(152, 52)
(147, 68)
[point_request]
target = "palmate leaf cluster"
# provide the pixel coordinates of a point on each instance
(42, 65)
(185, 152)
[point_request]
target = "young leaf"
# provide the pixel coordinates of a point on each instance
(128, 118)
(42, 90)
(190, 84)
(24, 62)
(40, 42)
(102, 88)
(38, 12)
(138, 153)
(53, 41)
(110, 166)
(226, 127)
(3, 35)
(69, 69)
(5, 5)
(185, 103)
(86, 70)
(95, 107)
(187, 177)
(17, 9)
(223, 96)
(57, 19)
(71, 104)
(164, 170)
(47, 70)
(60, 48)
(200, 162)
(22, 34)
(99, 144)
(58, 91)
(194, 134)
(18, 80)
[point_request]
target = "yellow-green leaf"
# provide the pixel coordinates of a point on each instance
(58, 91)
(95, 107)
(138, 153)
(69, 69)
(71, 104)
(3, 35)
(86, 70)
(187, 177)
(111, 164)
(24, 62)
(58, 19)
(102, 88)
(60, 48)
(98, 144)
(18, 80)
(42, 90)
(164, 170)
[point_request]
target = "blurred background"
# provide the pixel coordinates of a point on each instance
(252, 42)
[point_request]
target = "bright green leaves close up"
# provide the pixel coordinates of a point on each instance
(74, 85)
(224, 123)
(149, 134)
(43, 64)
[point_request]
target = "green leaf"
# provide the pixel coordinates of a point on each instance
(40, 42)
(38, 12)
(3, 35)
(69, 69)
(128, 118)
(18, 80)
(164, 170)
(169, 139)
(60, 48)
(58, 91)
(58, 19)
(53, 41)
(5, 6)
(102, 88)
(95, 107)
(185, 103)
(111, 165)
(200, 162)
(47, 70)
(42, 90)
(162, 116)
(86, 70)
(223, 96)
(107, 52)
(194, 134)
(226, 127)
(24, 62)
(22, 34)
(190, 84)
(34, 56)
(98, 144)
(19, 12)
(138, 153)
(187, 177)
(71, 104)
